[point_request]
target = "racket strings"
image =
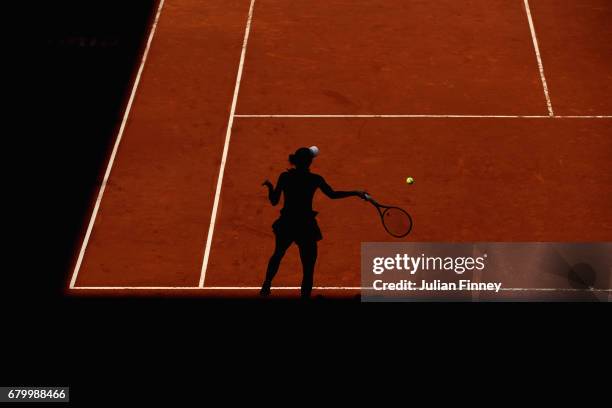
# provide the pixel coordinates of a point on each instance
(397, 222)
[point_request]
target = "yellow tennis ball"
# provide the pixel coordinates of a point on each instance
(410, 180)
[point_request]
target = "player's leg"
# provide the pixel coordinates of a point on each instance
(308, 256)
(282, 244)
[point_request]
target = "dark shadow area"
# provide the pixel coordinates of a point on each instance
(578, 275)
(84, 56)
(582, 276)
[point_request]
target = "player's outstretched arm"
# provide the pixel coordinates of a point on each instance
(331, 193)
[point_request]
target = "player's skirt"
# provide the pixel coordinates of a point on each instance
(302, 228)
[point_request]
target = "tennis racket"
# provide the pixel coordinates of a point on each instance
(396, 221)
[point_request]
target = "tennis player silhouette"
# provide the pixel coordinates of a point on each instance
(297, 222)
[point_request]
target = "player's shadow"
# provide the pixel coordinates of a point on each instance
(582, 276)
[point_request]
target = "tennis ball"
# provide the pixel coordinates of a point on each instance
(410, 180)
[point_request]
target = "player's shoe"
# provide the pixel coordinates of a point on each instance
(265, 290)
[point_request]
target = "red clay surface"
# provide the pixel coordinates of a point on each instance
(154, 217)
(391, 57)
(478, 179)
(576, 44)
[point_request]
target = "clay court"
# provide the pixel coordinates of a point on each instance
(500, 110)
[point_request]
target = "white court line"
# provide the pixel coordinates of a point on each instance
(315, 287)
(584, 117)
(115, 147)
(536, 47)
(228, 134)
(137, 288)
(315, 116)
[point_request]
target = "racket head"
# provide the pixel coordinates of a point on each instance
(396, 221)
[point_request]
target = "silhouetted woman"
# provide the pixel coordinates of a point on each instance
(297, 221)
